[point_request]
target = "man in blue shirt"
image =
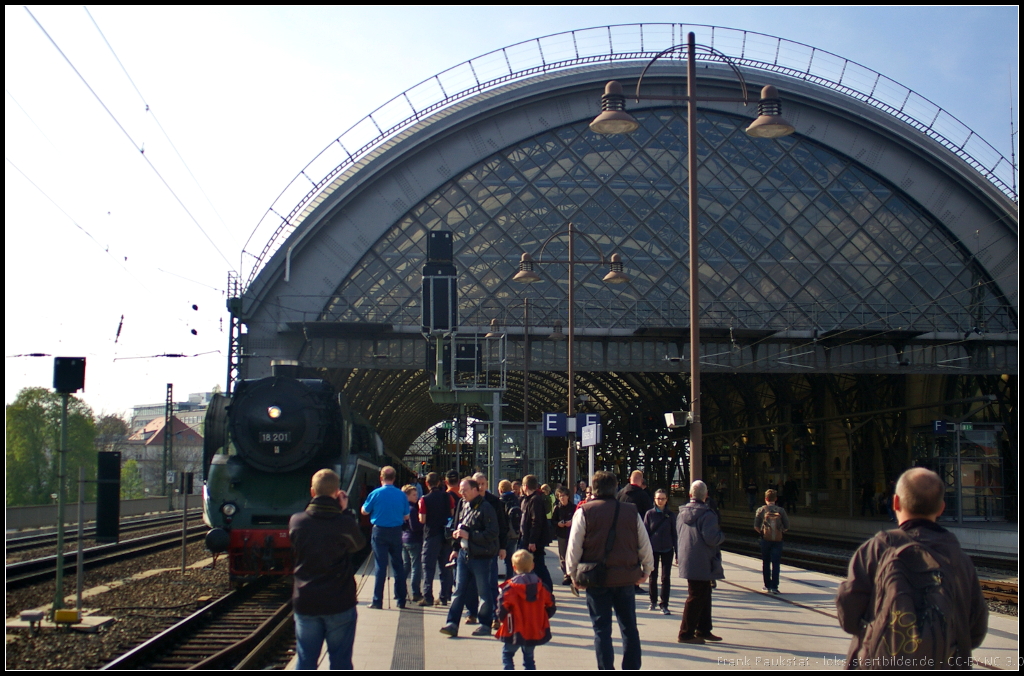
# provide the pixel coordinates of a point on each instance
(388, 509)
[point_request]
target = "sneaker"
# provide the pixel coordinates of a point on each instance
(696, 640)
(401, 605)
(766, 590)
(450, 630)
(654, 606)
(423, 603)
(376, 606)
(441, 602)
(472, 620)
(708, 636)
(664, 611)
(416, 598)
(776, 591)
(482, 631)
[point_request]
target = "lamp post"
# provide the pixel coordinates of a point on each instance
(526, 275)
(769, 124)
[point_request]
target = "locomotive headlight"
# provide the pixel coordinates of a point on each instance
(228, 509)
(274, 412)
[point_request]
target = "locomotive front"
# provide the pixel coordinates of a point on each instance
(262, 446)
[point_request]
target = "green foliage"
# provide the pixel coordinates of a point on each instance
(131, 481)
(111, 433)
(33, 441)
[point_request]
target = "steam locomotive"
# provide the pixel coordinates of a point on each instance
(262, 446)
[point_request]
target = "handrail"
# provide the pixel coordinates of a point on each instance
(606, 44)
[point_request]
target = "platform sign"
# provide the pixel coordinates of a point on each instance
(939, 426)
(554, 425)
(560, 425)
(584, 419)
(591, 435)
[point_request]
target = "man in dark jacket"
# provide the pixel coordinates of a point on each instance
(700, 562)
(494, 501)
(533, 529)
(476, 543)
(636, 494)
(628, 563)
(324, 537)
(917, 503)
(435, 508)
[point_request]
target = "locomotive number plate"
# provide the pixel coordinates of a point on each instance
(275, 437)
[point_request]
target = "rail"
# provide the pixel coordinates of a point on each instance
(941, 315)
(607, 44)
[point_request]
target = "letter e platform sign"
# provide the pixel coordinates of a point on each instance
(554, 424)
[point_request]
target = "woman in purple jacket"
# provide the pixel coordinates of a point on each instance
(661, 528)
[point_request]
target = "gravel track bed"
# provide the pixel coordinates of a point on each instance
(142, 608)
(72, 546)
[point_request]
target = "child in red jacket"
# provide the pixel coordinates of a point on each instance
(524, 606)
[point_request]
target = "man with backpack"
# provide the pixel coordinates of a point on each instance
(912, 598)
(771, 522)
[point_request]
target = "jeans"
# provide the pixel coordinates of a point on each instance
(387, 543)
(509, 651)
(472, 599)
(601, 601)
(411, 561)
(475, 572)
(435, 555)
(339, 631)
(662, 560)
(771, 555)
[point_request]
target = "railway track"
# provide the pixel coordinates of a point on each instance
(236, 631)
(25, 573)
(836, 564)
(997, 590)
(26, 542)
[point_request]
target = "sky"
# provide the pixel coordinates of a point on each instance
(123, 218)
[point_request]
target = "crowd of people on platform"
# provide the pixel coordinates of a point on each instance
(610, 542)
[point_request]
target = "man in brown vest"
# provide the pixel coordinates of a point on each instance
(629, 562)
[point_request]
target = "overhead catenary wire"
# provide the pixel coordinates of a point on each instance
(152, 114)
(138, 147)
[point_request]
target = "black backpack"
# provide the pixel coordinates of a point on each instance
(915, 609)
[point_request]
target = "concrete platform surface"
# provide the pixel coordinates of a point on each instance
(796, 630)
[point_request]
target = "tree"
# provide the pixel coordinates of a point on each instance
(111, 432)
(131, 481)
(33, 442)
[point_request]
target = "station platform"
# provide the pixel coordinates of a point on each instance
(796, 630)
(993, 539)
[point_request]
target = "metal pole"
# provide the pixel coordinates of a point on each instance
(696, 456)
(959, 477)
(570, 473)
(168, 441)
(79, 564)
(58, 595)
(526, 387)
(496, 441)
(184, 520)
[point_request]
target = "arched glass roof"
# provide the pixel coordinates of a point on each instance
(793, 236)
(606, 44)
